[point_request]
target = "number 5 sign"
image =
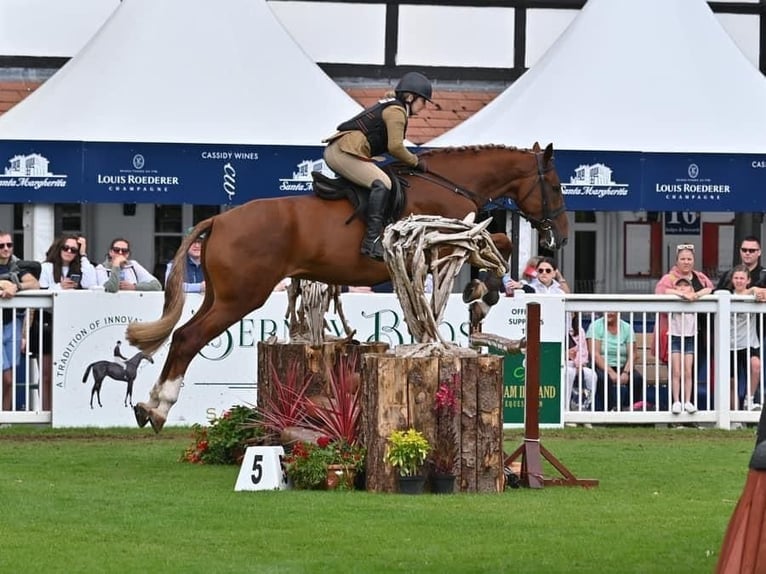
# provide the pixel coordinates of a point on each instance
(262, 469)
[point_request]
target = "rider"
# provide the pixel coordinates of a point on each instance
(379, 129)
(119, 358)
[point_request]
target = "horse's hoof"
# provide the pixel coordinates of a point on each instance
(142, 415)
(158, 421)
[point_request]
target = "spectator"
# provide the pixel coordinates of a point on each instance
(701, 285)
(510, 285)
(750, 256)
(612, 344)
(118, 273)
(745, 343)
(194, 282)
(13, 279)
(683, 328)
(67, 266)
(581, 395)
(547, 277)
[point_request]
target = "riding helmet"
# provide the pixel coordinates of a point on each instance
(414, 83)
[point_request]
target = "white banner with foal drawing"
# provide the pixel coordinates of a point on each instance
(89, 324)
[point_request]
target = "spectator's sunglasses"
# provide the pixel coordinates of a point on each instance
(749, 249)
(8, 245)
(689, 246)
(121, 250)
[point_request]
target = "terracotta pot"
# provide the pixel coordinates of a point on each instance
(340, 476)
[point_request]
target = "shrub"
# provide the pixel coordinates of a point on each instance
(225, 440)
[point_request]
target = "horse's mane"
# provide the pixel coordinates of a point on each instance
(469, 148)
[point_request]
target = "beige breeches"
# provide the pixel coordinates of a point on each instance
(353, 168)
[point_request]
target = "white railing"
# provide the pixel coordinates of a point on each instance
(26, 387)
(646, 403)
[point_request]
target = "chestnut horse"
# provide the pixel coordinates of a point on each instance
(248, 250)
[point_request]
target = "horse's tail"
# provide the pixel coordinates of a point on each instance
(149, 336)
(87, 373)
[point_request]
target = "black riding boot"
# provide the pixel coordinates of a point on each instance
(376, 206)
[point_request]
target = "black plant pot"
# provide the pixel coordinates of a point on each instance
(411, 484)
(443, 483)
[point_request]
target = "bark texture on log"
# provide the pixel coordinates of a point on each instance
(398, 392)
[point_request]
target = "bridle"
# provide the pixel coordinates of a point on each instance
(546, 190)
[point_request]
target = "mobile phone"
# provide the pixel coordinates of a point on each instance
(75, 277)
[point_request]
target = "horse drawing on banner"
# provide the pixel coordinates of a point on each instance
(103, 369)
(249, 249)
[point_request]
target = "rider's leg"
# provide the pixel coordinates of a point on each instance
(366, 173)
(376, 207)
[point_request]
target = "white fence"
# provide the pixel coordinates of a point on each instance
(87, 324)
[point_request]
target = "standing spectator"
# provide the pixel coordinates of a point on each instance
(750, 257)
(683, 328)
(194, 282)
(612, 344)
(745, 343)
(701, 286)
(580, 397)
(13, 279)
(118, 273)
(547, 279)
(67, 266)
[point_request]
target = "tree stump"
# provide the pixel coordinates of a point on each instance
(398, 392)
(308, 360)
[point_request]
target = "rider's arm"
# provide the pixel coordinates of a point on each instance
(396, 118)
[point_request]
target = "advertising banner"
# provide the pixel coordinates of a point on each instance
(508, 318)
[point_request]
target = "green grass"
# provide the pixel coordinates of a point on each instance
(119, 501)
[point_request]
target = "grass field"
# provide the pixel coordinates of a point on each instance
(119, 501)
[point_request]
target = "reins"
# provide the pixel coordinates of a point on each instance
(548, 216)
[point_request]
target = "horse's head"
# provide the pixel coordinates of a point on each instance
(146, 357)
(540, 199)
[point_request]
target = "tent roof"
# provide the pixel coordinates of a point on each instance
(633, 75)
(190, 71)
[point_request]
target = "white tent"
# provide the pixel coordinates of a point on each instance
(632, 75)
(191, 71)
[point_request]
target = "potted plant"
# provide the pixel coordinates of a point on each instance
(407, 451)
(324, 464)
(444, 455)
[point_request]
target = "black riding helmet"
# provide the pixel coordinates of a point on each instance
(414, 83)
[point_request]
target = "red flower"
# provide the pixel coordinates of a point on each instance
(323, 441)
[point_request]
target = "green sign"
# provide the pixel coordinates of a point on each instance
(514, 373)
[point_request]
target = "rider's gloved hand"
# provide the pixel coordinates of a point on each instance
(422, 165)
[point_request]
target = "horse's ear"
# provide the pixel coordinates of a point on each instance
(536, 147)
(548, 154)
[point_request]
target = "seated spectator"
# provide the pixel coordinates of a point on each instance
(13, 278)
(118, 273)
(67, 266)
(194, 282)
(612, 343)
(581, 379)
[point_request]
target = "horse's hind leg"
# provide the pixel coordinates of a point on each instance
(186, 343)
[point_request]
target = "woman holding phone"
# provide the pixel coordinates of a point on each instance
(67, 266)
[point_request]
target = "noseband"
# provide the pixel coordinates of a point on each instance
(544, 224)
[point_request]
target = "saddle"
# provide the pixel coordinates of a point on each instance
(335, 188)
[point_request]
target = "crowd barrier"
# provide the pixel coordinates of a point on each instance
(87, 326)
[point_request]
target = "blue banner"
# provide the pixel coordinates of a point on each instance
(103, 172)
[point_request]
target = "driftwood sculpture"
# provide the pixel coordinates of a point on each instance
(308, 302)
(423, 244)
